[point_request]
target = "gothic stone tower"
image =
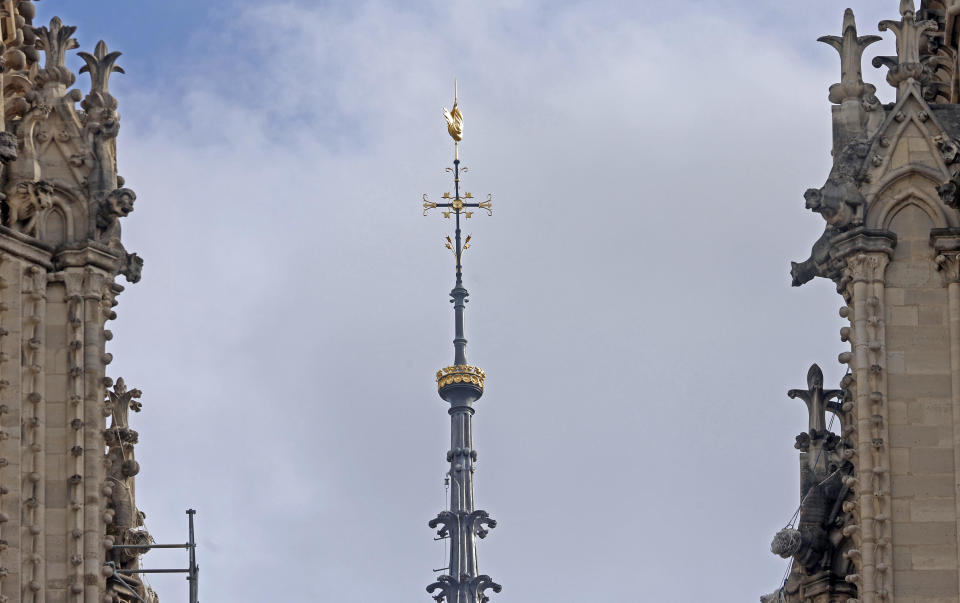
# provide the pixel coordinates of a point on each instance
(66, 480)
(879, 519)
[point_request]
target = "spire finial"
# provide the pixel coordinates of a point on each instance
(851, 47)
(454, 123)
(460, 385)
(458, 206)
(906, 69)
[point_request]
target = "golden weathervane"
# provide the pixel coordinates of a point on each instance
(457, 205)
(454, 122)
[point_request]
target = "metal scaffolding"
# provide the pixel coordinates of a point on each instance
(193, 571)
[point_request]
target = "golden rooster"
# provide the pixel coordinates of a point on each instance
(454, 122)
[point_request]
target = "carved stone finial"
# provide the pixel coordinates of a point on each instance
(817, 400)
(101, 123)
(121, 401)
(906, 66)
(127, 523)
(100, 65)
(851, 47)
(55, 41)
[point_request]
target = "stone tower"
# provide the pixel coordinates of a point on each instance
(460, 385)
(66, 478)
(879, 517)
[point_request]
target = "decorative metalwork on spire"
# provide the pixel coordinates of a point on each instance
(458, 206)
(460, 385)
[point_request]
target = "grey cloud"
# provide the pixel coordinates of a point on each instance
(630, 296)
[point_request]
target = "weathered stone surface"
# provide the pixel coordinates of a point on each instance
(892, 246)
(61, 205)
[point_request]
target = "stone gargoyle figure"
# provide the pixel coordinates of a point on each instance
(118, 204)
(25, 203)
(950, 190)
(841, 204)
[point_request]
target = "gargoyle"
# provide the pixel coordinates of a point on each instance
(25, 203)
(841, 204)
(950, 192)
(118, 204)
(132, 268)
(816, 265)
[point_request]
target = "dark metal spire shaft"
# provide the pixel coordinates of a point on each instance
(459, 293)
(460, 385)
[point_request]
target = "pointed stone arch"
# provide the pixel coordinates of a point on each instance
(917, 187)
(56, 228)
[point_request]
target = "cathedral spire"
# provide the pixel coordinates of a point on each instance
(460, 385)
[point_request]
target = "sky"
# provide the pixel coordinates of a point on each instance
(630, 297)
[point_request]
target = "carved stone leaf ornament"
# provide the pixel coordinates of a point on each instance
(100, 65)
(55, 41)
(851, 47)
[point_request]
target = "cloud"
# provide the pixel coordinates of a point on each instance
(630, 296)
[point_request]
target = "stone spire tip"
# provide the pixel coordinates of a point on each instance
(849, 20)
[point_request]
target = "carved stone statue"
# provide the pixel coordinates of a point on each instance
(817, 543)
(101, 123)
(117, 204)
(24, 205)
(907, 65)
(123, 467)
(851, 47)
(841, 204)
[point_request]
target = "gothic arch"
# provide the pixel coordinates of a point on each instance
(887, 205)
(64, 221)
(56, 228)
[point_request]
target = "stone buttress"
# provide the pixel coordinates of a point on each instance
(66, 476)
(879, 516)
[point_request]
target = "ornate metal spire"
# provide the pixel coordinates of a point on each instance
(460, 385)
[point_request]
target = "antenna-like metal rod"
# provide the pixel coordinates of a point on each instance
(459, 294)
(150, 546)
(194, 573)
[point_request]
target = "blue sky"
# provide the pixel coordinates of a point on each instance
(630, 297)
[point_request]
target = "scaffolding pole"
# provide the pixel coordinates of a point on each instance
(193, 572)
